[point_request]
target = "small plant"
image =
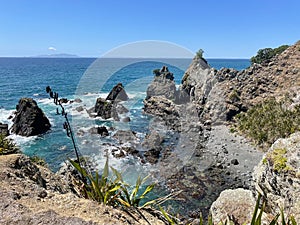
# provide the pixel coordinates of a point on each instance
(172, 220)
(7, 146)
(38, 160)
(199, 53)
(156, 72)
(278, 160)
(133, 199)
(234, 96)
(100, 189)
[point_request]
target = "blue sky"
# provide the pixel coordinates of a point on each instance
(224, 29)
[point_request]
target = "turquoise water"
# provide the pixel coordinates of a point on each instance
(28, 77)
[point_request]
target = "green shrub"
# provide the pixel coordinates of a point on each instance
(268, 121)
(199, 53)
(264, 55)
(7, 146)
(156, 72)
(38, 160)
(112, 190)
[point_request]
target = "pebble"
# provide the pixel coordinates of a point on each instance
(234, 162)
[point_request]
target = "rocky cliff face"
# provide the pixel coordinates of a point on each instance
(29, 119)
(277, 176)
(206, 154)
(236, 91)
(31, 194)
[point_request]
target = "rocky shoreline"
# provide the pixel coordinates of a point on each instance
(190, 146)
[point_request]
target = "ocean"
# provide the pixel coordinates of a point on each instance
(86, 79)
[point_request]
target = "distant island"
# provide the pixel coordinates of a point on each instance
(61, 55)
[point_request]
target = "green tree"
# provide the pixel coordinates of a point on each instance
(264, 55)
(199, 54)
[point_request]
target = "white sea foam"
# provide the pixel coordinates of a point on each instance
(21, 140)
(4, 115)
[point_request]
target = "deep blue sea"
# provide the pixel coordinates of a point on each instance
(87, 79)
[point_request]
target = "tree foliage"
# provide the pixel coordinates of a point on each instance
(264, 55)
(199, 54)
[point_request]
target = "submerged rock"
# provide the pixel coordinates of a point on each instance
(29, 119)
(124, 136)
(99, 130)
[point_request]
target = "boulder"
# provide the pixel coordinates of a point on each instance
(99, 130)
(125, 136)
(234, 203)
(4, 129)
(152, 140)
(277, 176)
(29, 119)
(162, 85)
(152, 146)
(105, 109)
(117, 93)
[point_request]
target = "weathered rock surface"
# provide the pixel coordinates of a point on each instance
(164, 109)
(117, 93)
(162, 85)
(31, 194)
(99, 130)
(277, 176)
(29, 119)
(124, 136)
(198, 80)
(105, 109)
(110, 107)
(237, 204)
(4, 129)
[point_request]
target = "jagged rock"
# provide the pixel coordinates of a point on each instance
(162, 85)
(198, 80)
(105, 109)
(79, 109)
(77, 100)
(4, 129)
(99, 130)
(226, 92)
(152, 155)
(164, 109)
(237, 203)
(152, 140)
(29, 119)
(117, 93)
(26, 200)
(278, 176)
(121, 109)
(152, 146)
(125, 136)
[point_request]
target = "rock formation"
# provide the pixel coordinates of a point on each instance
(277, 176)
(117, 93)
(105, 109)
(162, 85)
(215, 157)
(31, 194)
(110, 107)
(4, 129)
(29, 119)
(237, 204)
